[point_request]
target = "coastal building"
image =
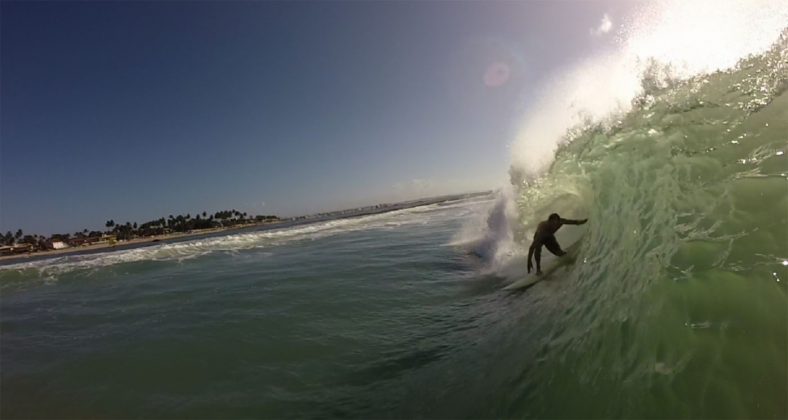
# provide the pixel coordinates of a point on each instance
(16, 249)
(92, 240)
(58, 245)
(83, 240)
(108, 239)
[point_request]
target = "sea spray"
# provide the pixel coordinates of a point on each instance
(491, 236)
(664, 42)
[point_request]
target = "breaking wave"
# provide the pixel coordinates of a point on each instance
(674, 146)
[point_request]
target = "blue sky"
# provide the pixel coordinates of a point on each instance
(136, 110)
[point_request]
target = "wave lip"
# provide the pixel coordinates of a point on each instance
(663, 43)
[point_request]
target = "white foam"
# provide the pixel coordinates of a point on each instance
(490, 233)
(685, 38)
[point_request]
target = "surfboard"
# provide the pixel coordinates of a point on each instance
(549, 267)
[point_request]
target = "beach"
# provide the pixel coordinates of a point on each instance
(120, 245)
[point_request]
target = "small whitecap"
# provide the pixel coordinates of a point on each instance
(780, 153)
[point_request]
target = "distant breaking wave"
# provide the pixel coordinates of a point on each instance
(50, 268)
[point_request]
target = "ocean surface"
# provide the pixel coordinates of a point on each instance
(676, 306)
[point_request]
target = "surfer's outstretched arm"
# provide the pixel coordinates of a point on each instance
(572, 222)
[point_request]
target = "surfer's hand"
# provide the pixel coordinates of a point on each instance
(582, 222)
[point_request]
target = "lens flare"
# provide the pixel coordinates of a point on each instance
(497, 74)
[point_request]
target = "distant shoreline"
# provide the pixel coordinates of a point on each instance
(120, 245)
(178, 237)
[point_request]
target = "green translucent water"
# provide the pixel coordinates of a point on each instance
(680, 307)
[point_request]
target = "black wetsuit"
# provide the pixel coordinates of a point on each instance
(545, 235)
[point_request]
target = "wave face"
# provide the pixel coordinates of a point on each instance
(680, 291)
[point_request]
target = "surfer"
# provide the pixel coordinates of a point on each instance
(545, 235)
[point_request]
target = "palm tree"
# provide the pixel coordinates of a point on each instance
(110, 223)
(19, 234)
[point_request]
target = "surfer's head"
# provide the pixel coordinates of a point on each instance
(554, 217)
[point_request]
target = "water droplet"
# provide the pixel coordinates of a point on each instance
(663, 368)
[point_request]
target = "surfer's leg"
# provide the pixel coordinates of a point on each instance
(538, 255)
(552, 245)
